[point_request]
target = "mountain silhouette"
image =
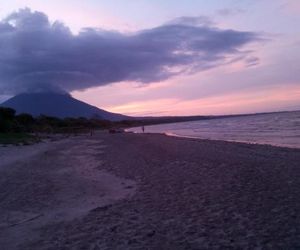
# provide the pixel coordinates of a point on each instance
(58, 105)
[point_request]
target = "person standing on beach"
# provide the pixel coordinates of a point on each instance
(143, 129)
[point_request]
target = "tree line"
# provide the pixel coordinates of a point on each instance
(10, 122)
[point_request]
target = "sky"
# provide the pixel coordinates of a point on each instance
(150, 57)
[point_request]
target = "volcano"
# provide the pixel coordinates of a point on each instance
(58, 105)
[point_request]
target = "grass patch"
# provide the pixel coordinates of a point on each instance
(17, 138)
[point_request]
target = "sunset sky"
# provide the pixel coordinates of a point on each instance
(153, 57)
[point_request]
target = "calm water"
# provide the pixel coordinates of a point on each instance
(280, 129)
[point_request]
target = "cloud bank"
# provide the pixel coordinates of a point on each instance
(39, 55)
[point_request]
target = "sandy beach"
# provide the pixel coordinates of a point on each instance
(149, 191)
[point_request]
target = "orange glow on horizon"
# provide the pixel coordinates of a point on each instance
(256, 101)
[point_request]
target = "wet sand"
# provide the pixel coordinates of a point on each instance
(149, 191)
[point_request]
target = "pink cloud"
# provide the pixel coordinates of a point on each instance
(281, 98)
(293, 6)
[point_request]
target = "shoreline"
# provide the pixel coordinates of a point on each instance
(44, 142)
(276, 130)
(205, 139)
(176, 193)
(232, 141)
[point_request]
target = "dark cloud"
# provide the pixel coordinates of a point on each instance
(36, 54)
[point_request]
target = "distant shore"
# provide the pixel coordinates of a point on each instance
(276, 129)
(150, 191)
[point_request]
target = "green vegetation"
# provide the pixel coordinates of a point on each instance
(17, 138)
(24, 128)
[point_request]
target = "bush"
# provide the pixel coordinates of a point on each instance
(7, 122)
